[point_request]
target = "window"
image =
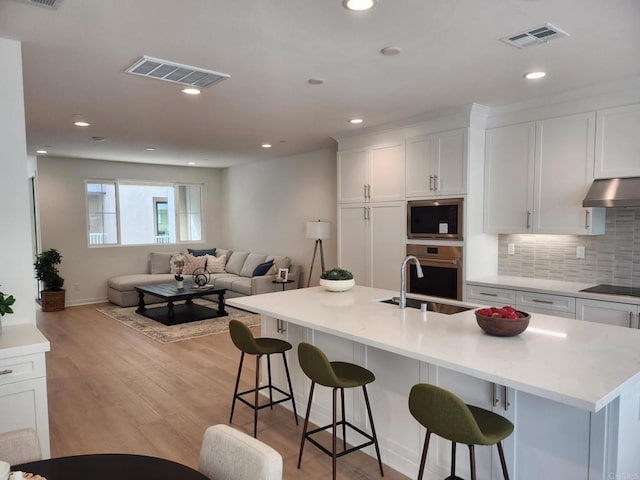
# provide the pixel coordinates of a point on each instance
(134, 213)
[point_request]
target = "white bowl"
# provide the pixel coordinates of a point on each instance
(337, 285)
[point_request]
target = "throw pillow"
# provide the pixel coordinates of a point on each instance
(236, 261)
(160, 262)
(216, 264)
(191, 263)
(201, 252)
(262, 269)
(250, 264)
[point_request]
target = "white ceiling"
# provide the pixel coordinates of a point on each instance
(74, 59)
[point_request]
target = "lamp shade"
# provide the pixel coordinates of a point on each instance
(318, 230)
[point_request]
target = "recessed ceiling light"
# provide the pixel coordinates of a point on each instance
(358, 5)
(535, 75)
(389, 51)
(41, 152)
(191, 91)
(266, 145)
(79, 121)
(356, 121)
(150, 149)
(316, 81)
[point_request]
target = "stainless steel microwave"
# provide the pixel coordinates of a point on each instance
(439, 219)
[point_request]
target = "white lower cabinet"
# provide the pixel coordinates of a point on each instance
(610, 313)
(23, 396)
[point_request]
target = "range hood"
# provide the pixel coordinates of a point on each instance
(613, 192)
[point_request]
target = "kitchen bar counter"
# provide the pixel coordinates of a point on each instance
(582, 364)
(571, 388)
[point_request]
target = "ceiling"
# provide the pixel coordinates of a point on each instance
(74, 58)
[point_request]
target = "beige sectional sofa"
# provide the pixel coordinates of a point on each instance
(236, 276)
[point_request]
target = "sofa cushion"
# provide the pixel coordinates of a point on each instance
(279, 261)
(159, 262)
(236, 261)
(250, 264)
(262, 269)
(130, 282)
(216, 264)
(241, 285)
(201, 252)
(221, 251)
(225, 282)
(191, 263)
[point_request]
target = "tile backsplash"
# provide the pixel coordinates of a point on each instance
(612, 258)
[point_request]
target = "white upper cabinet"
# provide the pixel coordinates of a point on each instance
(618, 142)
(508, 195)
(437, 164)
(563, 174)
(371, 174)
(537, 175)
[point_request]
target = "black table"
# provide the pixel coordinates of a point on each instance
(109, 466)
(181, 313)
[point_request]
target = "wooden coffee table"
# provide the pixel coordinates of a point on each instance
(182, 313)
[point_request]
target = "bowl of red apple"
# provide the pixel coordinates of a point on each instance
(502, 321)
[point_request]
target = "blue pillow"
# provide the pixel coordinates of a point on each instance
(262, 269)
(203, 252)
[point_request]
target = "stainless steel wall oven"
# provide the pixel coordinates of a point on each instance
(442, 267)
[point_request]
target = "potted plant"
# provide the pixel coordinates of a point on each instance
(5, 306)
(179, 264)
(337, 280)
(52, 295)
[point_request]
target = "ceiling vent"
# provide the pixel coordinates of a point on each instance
(535, 36)
(45, 3)
(175, 72)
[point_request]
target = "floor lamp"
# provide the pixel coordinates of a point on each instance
(318, 230)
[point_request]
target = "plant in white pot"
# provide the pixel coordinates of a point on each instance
(337, 280)
(5, 306)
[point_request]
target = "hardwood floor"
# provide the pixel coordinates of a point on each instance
(112, 389)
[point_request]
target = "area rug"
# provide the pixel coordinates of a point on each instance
(175, 333)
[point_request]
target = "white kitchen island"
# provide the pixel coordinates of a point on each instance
(571, 388)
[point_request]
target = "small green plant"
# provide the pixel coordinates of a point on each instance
(5, 304)
(178, 277)
(47, 272)
(336, 274)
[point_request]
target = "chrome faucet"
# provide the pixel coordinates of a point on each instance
(402, 303)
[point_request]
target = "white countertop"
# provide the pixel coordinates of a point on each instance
(556, 287)
(23, 339)
(582, 364)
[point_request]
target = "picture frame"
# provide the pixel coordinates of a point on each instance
(283, 275)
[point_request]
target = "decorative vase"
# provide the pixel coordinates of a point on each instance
(337, 285)
(180, 284)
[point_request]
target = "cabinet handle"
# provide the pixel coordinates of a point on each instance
(6, 372)
(369, 191)
(630, 319)
(365, 191)
(280, 326)
(586, 219)
(507, 403)
(528, 220)
(487, 294)
(435, 182)
(546, 302)
(494, 396)
(430, 182)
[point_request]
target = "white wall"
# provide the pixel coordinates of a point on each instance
(267, 206)
(16, 263)
(63, 223)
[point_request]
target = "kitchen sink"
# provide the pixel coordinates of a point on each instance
(438, 307)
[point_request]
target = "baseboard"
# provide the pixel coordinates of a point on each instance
(85, 301)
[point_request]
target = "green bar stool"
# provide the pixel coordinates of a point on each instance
(243, 339)
(336, 375)
(443, 413)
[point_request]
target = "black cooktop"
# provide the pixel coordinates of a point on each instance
(614, 290)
